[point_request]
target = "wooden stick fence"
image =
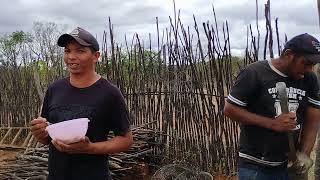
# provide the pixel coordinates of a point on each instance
(180, 84)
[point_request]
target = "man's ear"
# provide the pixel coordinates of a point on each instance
(289, 54)
(97, 56)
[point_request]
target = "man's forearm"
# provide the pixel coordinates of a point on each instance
(44, 141)
(242, 115)
(309, 131)
(115, 145)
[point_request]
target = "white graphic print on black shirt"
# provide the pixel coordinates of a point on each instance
(294, 95)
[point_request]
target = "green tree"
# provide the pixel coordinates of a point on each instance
(13, 47)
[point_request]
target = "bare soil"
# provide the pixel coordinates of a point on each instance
(7, 155)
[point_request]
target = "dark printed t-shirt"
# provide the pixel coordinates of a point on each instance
(103, 104)
(255, 90)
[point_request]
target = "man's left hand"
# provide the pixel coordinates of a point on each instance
(81, 147)
(302, 164)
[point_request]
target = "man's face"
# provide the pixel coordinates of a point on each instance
(79, 59)
(299, 66)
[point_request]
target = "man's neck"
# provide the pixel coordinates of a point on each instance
(84, 80)
(280, 64)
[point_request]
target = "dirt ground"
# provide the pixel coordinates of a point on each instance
(6, 155)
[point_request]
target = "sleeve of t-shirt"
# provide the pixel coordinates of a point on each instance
(244, 88)
(313, 92)
(45, 106)
(120, 115)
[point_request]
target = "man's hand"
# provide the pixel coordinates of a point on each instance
(303, 163)
(81, 147)
(300, 168)
(284, 122)
(38, 129)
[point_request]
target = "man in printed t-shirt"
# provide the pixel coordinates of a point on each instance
(254, 103)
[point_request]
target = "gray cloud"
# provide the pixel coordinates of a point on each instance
(131, 16)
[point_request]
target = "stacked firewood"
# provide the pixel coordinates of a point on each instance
(32, 163)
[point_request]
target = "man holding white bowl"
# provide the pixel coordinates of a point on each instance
(84, 94)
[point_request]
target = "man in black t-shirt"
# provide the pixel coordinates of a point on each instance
(84, 94)
(254, 103)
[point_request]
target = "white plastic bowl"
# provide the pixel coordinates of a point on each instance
(69, 131)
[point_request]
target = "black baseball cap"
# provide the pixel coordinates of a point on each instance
(82, 36)
(307, 45)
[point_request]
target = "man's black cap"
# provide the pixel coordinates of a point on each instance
(82, 36)
(306, 45)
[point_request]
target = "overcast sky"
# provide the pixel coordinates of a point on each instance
(130, 16)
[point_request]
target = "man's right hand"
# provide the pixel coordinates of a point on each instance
(38, 130)
(284, 122)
